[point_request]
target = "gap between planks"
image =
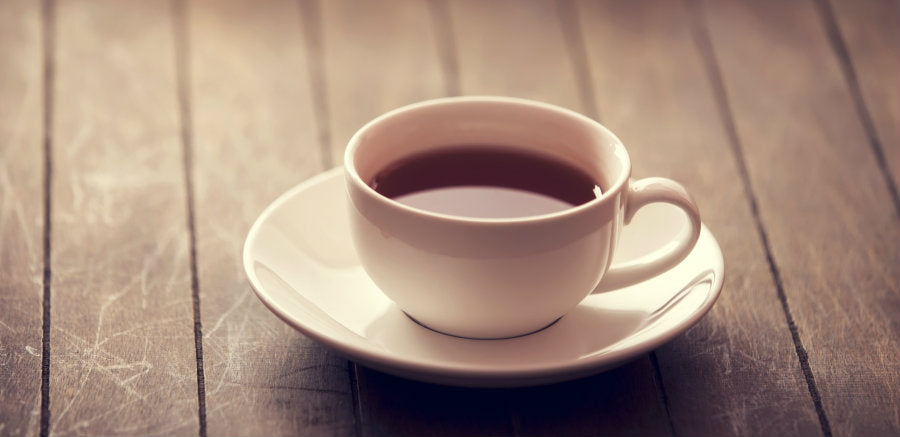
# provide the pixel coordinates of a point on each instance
(48, 36)
(182, 56)
(839, 46)
(710, 64)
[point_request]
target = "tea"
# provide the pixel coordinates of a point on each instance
(485, 182)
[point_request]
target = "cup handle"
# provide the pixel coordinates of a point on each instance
(640, 193)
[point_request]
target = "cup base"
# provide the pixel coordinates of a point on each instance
(480, 338)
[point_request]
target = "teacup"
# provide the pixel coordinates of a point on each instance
(492, 275)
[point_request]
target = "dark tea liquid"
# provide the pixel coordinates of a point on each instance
(485, 182)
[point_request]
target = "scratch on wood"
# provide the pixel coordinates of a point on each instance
(10, 201)
(7, 327)
(122, 372)
(225, 314)
(103, 307)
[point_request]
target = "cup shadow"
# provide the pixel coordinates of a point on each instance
(622, 399)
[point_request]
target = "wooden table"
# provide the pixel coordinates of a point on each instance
(139, 140)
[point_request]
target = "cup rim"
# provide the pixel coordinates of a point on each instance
(605, 197)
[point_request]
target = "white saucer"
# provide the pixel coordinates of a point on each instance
(302, 265)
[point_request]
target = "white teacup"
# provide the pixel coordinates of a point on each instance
(501, 277)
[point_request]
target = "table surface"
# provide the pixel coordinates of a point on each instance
(139, 141)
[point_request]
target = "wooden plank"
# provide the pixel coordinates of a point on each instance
(515, 48)
(389, 406)
(871, 30)
(21, 217)
(253, 135)
(823, 202)
(122, 340)
(376, 56)
(720, 378)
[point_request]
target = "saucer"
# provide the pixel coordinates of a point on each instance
(301, 263)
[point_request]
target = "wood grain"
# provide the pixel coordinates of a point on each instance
(871, 30)
(653, 91)
(823, 202)
(21, 216)
(515, 48)
(376, 56)
(122, 339)
(252, 133)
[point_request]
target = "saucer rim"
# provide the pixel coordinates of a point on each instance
(466, 374)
